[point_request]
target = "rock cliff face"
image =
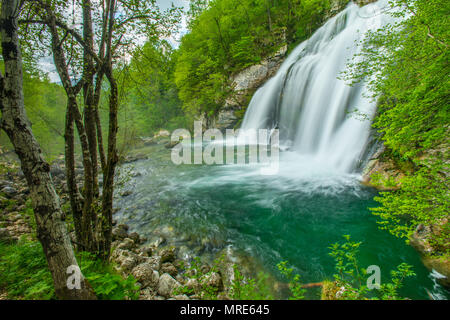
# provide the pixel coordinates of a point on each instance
(382, 173)
(243, 85)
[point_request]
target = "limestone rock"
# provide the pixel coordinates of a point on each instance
(169, 268)
(127, 244)
(145, 274)
(166, 285)
(119, 233)
(167, 255)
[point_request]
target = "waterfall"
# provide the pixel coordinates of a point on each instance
(314, 110)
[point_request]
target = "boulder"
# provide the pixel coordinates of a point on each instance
(193, 285)
(167, 285)
(127, 244)
(155, 262)
(167, 255)
(126, 260)
(146, 251)
(169, 268)
(146, 275)
(119, 233)
(135, 236)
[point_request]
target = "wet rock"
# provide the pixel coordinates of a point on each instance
(135, 237)
(146, 251)
(146, 275)
(169, 268)
(171, 144)
(166, 285)
(167, 255)
(120, 232)
(157, 242)
(420, 240)
(155, 262)
(126, 260)
(135, 174)
(148, 141)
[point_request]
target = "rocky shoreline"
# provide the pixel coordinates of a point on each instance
(161, 271)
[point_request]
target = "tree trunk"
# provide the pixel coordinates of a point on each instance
(76, 201)
(86, 242)
(51, 230)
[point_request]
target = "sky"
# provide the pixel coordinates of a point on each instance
(48, 66)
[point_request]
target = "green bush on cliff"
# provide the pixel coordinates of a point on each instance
(227, 36)
(422, 199)
(412, 79)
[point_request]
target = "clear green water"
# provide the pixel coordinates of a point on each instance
(293, 216)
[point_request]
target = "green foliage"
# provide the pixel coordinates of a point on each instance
(24, 271)
(196, 271)
(349, 281)
(45, 104)
(422, 199)
(411, 76)
(250, 288)
(227, 36)
(25, 274)
(297, 291)
(412, 79)
(149, 97)
(242, 288)
(107, 284)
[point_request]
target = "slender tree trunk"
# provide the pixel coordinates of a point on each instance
(89, 98)
(112, 158)
(97, 93)
(88, 194)
(76, 201)
(108, 176)
(51, 230)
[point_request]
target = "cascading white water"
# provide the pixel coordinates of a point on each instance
(307, 102)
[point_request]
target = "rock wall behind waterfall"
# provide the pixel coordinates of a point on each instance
(243, 85)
